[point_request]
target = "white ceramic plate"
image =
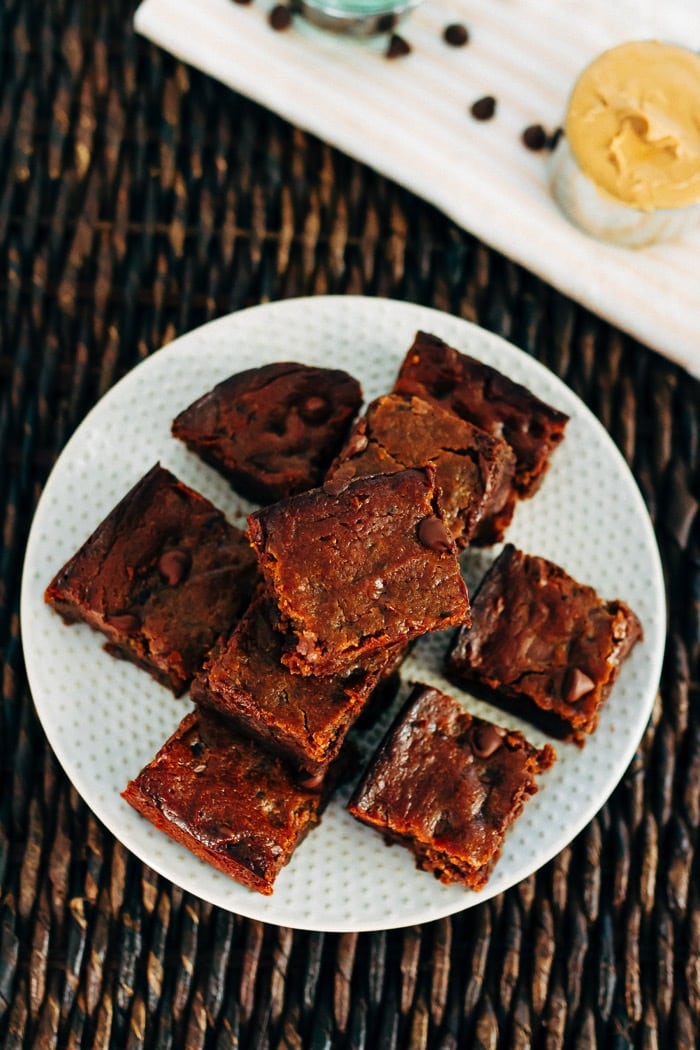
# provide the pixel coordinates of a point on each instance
(106, 719)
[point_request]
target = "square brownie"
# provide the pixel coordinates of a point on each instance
(163, 576)
(479, 393)
(227, 800)
(543, 645)
(303, 718)
(448, 786)
(474, 471)
(358, 569)
(272, 431)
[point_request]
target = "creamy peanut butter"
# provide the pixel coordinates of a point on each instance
(633, 124)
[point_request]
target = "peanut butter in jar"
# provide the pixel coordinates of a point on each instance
(627, 169)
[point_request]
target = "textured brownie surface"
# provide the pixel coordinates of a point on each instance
(304, 718)
(543, 645)
(448, 786)
(272, 431)
(479, 393)
(226, 799)
(359, 569)
(162, 577)
(473, 470)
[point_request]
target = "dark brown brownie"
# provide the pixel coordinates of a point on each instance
(479, 393)
(227, 800)
(448, 786)
(163, 576)
(272, 431)
(358, 569)
(474, 471)
(303, 718)
(543, 645)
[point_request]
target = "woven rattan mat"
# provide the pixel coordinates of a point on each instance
(137, 200)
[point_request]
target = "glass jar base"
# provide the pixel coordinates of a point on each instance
(355, 17)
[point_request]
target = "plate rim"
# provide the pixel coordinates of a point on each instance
(184, 344)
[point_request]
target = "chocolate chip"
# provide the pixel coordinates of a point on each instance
(314, 409)
(456, 34)
(128, 622)
(486, 740)
(554, 138)
(539, 649)
(398, 47)
(433, 534)
(534, 137)
(358, 440)
(577, 684)
(340, 480)
(311, 782)
(280, 17)
(484, 108)
(385, 23)
(173, 565)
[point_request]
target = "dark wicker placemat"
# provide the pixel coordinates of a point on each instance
(137, 200)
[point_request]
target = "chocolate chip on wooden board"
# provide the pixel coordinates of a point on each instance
(280, 17)
(534, 137)
(456, 34)
(397, 46)
(484, 108)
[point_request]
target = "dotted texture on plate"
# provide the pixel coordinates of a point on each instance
(105, 719)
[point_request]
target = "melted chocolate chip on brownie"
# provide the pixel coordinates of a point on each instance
(543, 645)
(163, 576)
(448, 786)
(272, 431)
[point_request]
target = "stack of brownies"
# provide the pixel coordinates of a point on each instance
(287, 636)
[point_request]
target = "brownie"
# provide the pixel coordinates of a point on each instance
(479, 393)
(272, 431)
(163, 576)
(543, 645)
(227, 800)
(359, 568)
(448, 786)
(303, 718)
(474, 471)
